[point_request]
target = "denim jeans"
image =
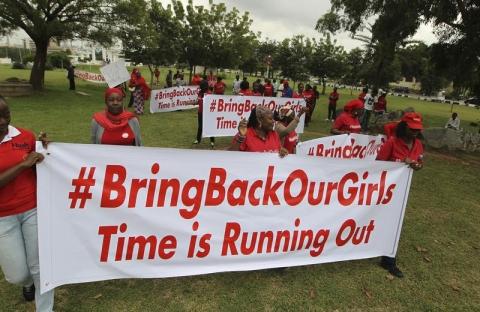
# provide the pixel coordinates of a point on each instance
(19, 255)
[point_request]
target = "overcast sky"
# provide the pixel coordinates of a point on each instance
(278, 20)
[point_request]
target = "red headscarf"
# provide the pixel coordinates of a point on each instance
(109, 121)
(353, 104)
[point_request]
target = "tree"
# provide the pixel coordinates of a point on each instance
(47, 20)
(354, 67)
(455, 21)
(327, 60)
(292, 57)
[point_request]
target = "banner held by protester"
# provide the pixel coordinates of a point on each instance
(345, 146)
(156, 213)
(222, 113)
(173, 99)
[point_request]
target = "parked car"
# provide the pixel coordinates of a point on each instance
(474, 100)
(401, 89)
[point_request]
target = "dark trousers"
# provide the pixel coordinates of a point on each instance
(389, 262)
(200, 127)
(72, 84)
(332, 112)
(366, 119)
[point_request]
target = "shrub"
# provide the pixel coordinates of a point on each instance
(18, 66)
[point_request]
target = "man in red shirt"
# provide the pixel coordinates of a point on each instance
(348, 121)
(268, 88)
(404, 147)
(219, 87)
(362, 95)
(332, 105)
(244, 89)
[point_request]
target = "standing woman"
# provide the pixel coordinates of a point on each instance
(348, 121)
(115, 125)
(18, 213)
(258, 135)
(404, 147)
(140, 94)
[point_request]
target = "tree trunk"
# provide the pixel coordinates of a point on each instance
(324, 86)
(190, 76)
(150, 67)
(37, 75)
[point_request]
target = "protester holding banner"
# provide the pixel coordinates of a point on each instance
(140, 94)
(115, 126)
(258, 135)
(404, 147)
(332, 105)
(18, 214)
(348, 122)
(201, 95)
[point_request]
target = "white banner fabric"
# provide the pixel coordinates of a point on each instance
(222, 113)
(88, 76)
(173, 99)
(157, 212)
(345, 146)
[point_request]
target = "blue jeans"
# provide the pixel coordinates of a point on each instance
(19, 255)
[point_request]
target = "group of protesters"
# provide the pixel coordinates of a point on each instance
(264, 131)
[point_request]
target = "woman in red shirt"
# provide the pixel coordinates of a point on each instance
(115, 125)
(348, 122)
(18, 214)
(258, 135)
(404, 147)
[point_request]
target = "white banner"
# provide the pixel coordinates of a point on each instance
(156, 213)
(88, 76)
(345, 146)
(222, 113)
(173, 99)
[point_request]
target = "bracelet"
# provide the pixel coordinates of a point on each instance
(239, 138)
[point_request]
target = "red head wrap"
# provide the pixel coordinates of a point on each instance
(111, 91)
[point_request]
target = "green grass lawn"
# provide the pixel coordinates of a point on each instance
(439, 249)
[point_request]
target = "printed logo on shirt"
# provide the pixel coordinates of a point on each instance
(125, 135)
(21, 146)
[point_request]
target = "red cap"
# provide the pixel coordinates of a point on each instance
(413, 120)
(353, 104)
(111, 91)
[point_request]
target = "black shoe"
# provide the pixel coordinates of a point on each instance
(29, 293)
(392, 269)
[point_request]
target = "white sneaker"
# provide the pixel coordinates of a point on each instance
(195, 142)
(327, 119)
(212, 145)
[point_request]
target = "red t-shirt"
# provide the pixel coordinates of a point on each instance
(381, 104)
(246, 92)
(290, 142)
(395, 149)
(20, 194)
(219, 88)
(268, 89)
(390, 128)
(253, 143)
(347, 122)
(297, 95)
(309, 96)
(333, 98)
(119, 136)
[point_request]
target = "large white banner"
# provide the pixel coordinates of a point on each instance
(173, 99)
(345, 146)
(88, 76)
(154, 212)
(222, 113)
